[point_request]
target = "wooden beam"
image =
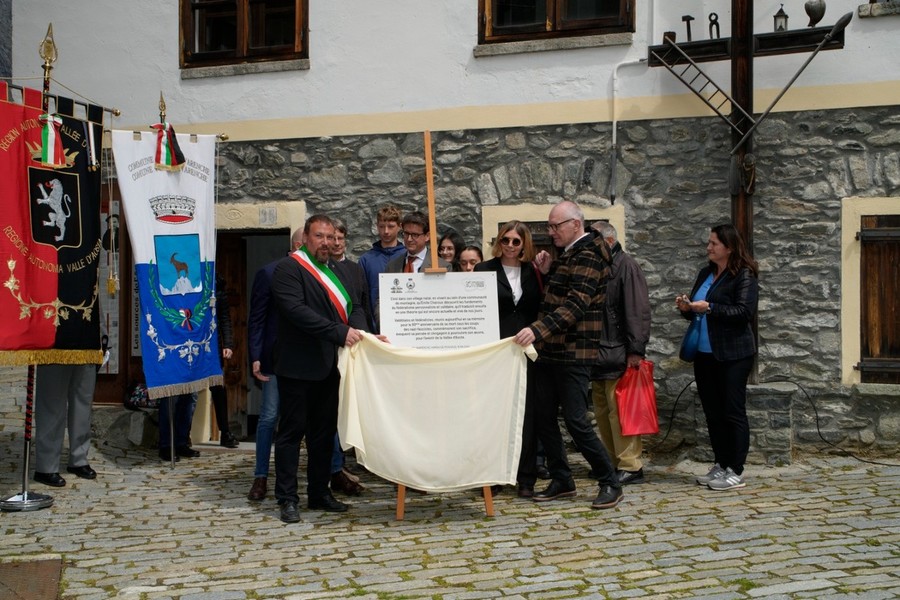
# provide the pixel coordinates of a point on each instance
(764, 44)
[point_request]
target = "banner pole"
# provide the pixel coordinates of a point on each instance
(26, 500)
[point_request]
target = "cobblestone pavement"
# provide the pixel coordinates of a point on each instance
(822, 527)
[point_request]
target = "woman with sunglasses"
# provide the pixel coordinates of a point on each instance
(519, 292)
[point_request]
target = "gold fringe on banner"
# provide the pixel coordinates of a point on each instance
(176, 389)
(50, 356)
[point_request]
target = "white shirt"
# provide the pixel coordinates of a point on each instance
(514, 276)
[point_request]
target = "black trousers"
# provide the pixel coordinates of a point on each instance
(220, 404)
(527, 472)
(722, 386)
(307, 408)
(567, 386)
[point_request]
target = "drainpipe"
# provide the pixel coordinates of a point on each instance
(615, 121)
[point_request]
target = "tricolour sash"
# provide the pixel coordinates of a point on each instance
(328, 280)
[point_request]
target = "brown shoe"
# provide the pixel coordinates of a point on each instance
(526, 491)
(341, 482)
(258, 489)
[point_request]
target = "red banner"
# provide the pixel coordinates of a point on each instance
(49, 247)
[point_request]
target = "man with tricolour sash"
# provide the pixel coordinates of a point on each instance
(316, 317)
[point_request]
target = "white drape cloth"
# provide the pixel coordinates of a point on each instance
(438, 420)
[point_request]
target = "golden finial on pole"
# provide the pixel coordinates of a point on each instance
(47, 51)
(162, 108)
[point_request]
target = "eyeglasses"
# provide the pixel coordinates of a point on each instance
(506, 241)
(555, 226)
(413, 236)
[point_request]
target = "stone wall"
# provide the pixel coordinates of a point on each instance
(672, 178)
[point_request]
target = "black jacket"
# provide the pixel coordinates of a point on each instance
(513, 317)
(223, 315)
(309, 328)
(734, 300)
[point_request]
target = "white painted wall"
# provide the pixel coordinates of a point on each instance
(403, 56)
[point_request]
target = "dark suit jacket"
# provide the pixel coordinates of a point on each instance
(309, 327)
(354, 279)
(223, 316)
(396, 264)
(733, 299)
(513, 317)
(262, 323)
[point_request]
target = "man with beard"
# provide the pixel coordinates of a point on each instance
(316, 317)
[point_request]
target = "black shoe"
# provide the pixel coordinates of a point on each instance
(542, 472)
(84, 471)
(289, 512)
(556, 489)
(328, 504)
(525, 491)
(186, 451)
(228, 440)
(51, 479)
(166, 455)
(608, 497)
(629, 477)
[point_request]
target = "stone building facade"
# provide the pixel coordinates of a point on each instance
(672, 182)
(672, 179)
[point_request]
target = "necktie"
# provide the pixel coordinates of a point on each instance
(409, 264)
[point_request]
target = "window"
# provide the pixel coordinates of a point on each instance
(517, 20)
(223, 32)
(880, 299)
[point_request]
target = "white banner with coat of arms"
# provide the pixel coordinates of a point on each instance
(170, 216)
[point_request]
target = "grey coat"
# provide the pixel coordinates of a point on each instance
(626, 319)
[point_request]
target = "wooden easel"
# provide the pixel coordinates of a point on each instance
(486, 492)
(435, 268)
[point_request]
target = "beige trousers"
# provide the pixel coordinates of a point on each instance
(624, 450)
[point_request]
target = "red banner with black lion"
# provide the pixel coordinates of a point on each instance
(50, 242)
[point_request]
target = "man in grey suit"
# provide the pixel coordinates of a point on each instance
(415, 238)
(63, 397)
(315, 317)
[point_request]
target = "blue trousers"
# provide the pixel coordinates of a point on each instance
(265, 427)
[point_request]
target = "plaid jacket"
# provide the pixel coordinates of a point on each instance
(571, 317)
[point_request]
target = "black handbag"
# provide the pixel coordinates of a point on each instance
(691, 340)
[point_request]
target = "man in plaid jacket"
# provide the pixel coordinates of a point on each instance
(567, 336)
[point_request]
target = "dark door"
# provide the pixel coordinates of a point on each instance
(231, 264)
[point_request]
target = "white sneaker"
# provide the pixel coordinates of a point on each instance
(714, 473)
(729, 481)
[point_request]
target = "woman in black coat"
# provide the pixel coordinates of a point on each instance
(519, 293)
(725, 294)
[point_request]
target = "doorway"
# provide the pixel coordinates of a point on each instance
(239, 255)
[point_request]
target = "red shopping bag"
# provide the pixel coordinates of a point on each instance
(636, 399)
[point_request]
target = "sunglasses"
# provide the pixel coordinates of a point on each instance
(506, 241)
